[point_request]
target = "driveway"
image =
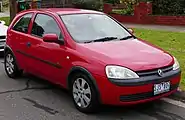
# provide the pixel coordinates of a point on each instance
(30, 98)
(4, 14)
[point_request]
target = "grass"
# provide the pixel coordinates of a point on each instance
(6, 19)
(172, 42)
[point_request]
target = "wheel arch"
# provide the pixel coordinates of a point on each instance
(7, 48)
(79, 69)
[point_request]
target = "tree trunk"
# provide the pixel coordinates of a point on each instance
(13, 9)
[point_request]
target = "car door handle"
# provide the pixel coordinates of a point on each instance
(28, 44)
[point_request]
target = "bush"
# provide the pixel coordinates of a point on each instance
(128, 11)
(87, 4)
(112, 1)
(126, 7)
(169, 7)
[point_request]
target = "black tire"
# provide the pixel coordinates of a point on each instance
(16, 71)
(94, 105)
(1, 54)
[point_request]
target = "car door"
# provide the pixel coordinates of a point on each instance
(47, 58)
(18, 37)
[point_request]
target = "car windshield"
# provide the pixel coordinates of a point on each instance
(93, 27)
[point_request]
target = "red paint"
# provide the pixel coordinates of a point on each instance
(137, 55)
(143, 15)
(50, 38)
(111, 93)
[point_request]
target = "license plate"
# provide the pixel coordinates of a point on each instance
(161, 88)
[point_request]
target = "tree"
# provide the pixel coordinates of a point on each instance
(13, 9)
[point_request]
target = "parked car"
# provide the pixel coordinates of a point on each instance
(90, 54)
(3, 31)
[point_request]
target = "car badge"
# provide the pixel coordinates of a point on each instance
(160, 72)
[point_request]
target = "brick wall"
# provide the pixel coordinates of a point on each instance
(142, 15)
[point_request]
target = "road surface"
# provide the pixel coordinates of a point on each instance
(4, 14)
(30, 98)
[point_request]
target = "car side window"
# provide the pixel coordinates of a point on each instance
(23, 24)
(45, 24)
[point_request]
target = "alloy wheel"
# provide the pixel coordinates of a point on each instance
(81, 93)
(9, 64)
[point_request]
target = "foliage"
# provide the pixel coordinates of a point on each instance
(169, 7)
(144, 0)
(5, 3)
(128, 9)
(87, 4)
(160, 7)
(172, 42)
(112, 1)
(132, 2)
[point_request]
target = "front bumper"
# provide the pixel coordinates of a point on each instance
(120, 92)
(145, 95)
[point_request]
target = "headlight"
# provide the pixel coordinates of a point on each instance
(118, 72)
(176, 64)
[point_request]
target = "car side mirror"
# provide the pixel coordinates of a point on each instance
(52, 38)
(131, 30)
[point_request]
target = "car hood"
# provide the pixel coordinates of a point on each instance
(133, 53)
(3, 29)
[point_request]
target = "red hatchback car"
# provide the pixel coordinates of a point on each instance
(92, 55)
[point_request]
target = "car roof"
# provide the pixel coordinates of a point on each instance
(64, 11)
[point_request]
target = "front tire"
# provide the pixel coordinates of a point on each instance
(84, 94)
(11, 66)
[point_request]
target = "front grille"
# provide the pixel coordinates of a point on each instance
(143, 96)
(155, 71)
(2, 41)
(2, 37)
(1, 47)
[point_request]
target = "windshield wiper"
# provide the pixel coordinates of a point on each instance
(127, 37)
(103, 39)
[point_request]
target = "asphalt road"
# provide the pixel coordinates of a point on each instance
(30, 98)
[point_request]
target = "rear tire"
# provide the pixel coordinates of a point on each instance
(11, 66)
(84, 95)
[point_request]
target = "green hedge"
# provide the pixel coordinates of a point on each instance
(112, 1)
(168, 7)
(88, 4)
